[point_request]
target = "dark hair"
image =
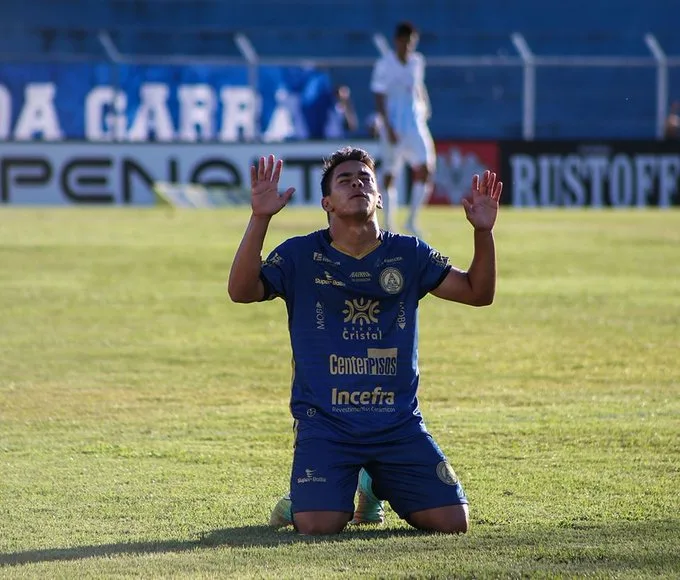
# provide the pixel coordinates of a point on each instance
(340, 156)
(405, 29)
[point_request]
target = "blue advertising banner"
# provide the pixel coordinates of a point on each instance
(162, 103)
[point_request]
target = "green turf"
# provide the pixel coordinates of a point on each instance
(144, 427)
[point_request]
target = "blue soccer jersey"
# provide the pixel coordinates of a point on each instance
(353, 325)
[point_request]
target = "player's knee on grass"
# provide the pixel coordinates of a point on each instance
(452, 519)
(320, 523)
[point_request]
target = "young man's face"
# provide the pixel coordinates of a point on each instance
(354, 191)
(406, 44)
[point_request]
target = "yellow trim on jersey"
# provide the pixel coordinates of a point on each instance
(358, 256)
(295, 421)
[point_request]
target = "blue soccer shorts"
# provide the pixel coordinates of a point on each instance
(411, 474)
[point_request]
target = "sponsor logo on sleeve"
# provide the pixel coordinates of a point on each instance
(274, 259)
(438, 259)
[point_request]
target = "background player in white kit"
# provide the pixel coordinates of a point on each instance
(403, 107)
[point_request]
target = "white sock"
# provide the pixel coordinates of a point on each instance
(420, 192)
(390, 206)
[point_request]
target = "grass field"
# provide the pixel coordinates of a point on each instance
(144, 427)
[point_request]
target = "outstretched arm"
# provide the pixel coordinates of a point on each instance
(245, 284)
(477, 286)
(381, 109)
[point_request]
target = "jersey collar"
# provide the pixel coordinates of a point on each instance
(327, 236)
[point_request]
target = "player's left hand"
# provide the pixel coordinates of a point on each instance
(481, 207)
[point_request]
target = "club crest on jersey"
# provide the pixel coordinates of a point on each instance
(391, 280)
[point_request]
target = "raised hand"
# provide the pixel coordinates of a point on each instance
(266, 200)
(481, 207)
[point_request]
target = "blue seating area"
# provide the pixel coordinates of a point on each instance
(468, 102)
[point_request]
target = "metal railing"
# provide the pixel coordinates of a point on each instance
(526, 59)
(526, 62)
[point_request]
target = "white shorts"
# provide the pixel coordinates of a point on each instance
(415, 148)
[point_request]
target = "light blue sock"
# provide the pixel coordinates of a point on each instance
(366, 486)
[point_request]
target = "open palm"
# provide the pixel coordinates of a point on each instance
(481, 207)
(266, 200)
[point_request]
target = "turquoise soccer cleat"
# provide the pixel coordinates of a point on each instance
(282, 514)
(369, 510)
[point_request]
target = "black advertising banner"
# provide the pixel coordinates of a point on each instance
(590, 174)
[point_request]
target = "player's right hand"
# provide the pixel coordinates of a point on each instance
(266, 200)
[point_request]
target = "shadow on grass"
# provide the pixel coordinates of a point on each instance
(241, 537)
(646, 547)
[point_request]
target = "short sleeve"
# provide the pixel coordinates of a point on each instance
(379, 77)
(433, 266)
(277, 272)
